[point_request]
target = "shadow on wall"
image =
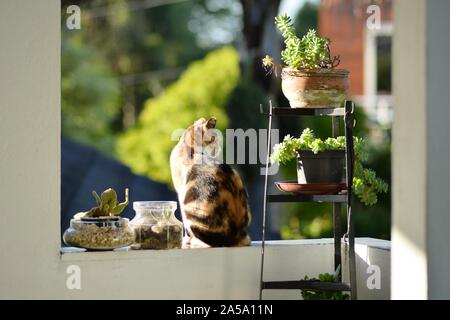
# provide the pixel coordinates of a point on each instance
(373, 268)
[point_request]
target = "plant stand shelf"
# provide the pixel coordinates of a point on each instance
(344, 197)
(335, 112)
(306, 284)
(307, 198)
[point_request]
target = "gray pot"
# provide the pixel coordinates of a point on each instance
(323, 167)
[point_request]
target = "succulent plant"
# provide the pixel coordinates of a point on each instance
(307, 53)
(366, 184)
(107, 205)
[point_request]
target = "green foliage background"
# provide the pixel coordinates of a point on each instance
(90, 96)
(201, 91)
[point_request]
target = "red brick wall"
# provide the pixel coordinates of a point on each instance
(344, 22)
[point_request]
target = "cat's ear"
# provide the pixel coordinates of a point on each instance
(211, 123)
(193, 135)
(200, 121)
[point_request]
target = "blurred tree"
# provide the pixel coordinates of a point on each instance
(201, 91)
(146, 49)
(144, 44)
(243, 110)
(89, 96)
(375, 221)
(259, 38)
(216, 23)
(306, 18)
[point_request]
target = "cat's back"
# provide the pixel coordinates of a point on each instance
(215, 203)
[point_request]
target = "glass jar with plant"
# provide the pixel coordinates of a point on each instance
(101, 228)
(321, 161)
(309, 75)
(156, 226)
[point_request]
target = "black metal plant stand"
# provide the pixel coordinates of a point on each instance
(337, 199)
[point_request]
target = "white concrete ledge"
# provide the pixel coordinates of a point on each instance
(220, 273)
(69, 254)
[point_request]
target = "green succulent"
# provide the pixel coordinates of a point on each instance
(366, 184)
(309, 52)
(313, 294)
(107, 205)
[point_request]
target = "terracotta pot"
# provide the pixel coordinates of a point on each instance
(321, 88)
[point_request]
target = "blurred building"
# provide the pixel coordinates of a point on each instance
(361, 34)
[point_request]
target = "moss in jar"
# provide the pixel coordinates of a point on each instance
(158, 236)
(100, 236)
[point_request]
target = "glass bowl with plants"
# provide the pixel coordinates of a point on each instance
(101, 228)
(309, 75)
(321, 162)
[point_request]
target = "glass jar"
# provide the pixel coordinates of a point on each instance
(103, 233)
(155, 225)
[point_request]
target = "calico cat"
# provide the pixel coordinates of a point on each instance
(213, 200)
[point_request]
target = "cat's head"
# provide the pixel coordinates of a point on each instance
(202, 137)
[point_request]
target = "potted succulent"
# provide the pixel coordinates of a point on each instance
(101, 228)
(321, 162)
(309, 75)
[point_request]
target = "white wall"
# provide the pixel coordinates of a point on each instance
(438, 148)
(409, 268)
(421, 145)
(373, 256)
(29, 148)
